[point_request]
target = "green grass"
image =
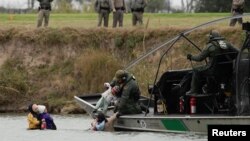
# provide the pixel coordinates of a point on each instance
(89, 20)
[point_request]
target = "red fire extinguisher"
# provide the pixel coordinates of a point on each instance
(192, 105)
(181, 104)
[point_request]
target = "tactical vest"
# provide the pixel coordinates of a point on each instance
(45, 4)
(238, 4)
(104, 4)
(137, 5)
(219, 47)
(119, 4)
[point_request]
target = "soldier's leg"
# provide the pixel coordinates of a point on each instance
(40, 18)
(46, 20)
(140, 18)
(233, 22)
(133, 18)
(106, 19)
(240, 21)
(99, 19)
(195, 82)
(115, 18)
(121, 13)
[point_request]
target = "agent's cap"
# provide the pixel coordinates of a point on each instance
(120, 75)
(214, 34)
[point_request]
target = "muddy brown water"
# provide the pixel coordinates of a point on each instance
(13, 127)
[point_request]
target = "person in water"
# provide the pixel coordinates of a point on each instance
(34, 122)
(107, 97)
(101, 123)
(45, 117)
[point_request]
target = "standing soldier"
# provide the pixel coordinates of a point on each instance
(237, 9)
(137, 9)
(103, 7)
(44, 12)
(119, 7)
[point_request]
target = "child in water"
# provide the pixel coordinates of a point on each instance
(45, 116)
(107, 97)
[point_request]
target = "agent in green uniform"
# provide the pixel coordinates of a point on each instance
(137, 9)
(130, 93)
(119, 7)
(216, 45)
(237, 9)
(103, 7)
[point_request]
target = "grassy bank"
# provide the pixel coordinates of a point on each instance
(89, 20)
(50, 66)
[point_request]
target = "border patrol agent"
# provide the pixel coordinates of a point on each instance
(103, 7)
(119, 7)
(137, 9)
(44, 12)
(129, 93)
(237, 9)
(216, 45)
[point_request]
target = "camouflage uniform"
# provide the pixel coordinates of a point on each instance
(119, 7)
(216, 45)
(237, 9)
(44, 12)
(103, 7)
(137, 9)
(129, 97)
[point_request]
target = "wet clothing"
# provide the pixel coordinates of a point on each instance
(103, 7)
(237, 9)
(213, 49)
(129, 100)
(106, 124)
(119, 7)
(34, 123)
(49, 121)
(109, 125)
(105, 100)
(137, 9)
(44, 12)
(33, 119)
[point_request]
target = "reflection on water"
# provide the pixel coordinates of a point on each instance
(75, 128)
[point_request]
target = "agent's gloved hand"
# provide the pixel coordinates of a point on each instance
(189, 56)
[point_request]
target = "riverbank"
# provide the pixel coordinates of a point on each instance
(49, 66)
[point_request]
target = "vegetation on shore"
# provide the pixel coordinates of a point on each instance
(51, 65)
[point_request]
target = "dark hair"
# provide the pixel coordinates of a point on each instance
(101, 117)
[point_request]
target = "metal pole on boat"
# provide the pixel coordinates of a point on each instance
(157, 72)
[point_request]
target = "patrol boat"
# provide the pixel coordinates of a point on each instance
(225, 99)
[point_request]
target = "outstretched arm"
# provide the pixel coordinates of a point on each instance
(202, 56)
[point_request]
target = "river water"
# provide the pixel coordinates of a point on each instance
(76, 128)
